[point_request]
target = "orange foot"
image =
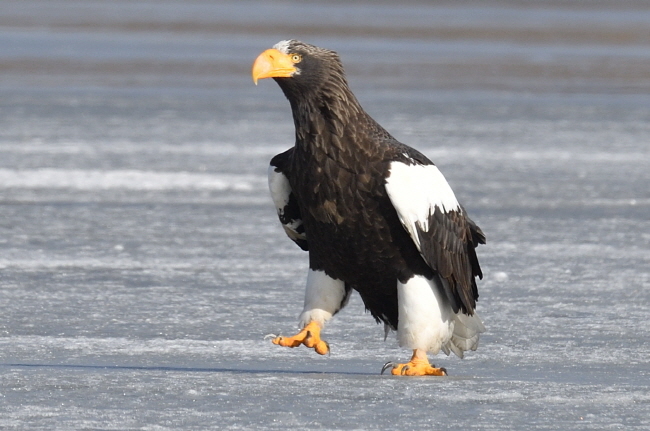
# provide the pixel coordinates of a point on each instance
(418, 366)
(309, 336)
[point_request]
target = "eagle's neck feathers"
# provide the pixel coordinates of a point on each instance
(332, 121)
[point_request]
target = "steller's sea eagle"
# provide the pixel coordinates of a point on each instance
(375, 215)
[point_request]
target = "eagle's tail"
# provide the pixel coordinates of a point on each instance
(466, 334)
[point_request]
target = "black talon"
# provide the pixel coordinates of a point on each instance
(406, 368)
(386, 366)
(444, 370)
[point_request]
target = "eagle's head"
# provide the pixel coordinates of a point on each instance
(301, 70)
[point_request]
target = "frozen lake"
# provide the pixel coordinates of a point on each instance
(141, 261)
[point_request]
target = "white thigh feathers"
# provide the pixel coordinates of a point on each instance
(425, 317)
(324, 297)
(427, 321)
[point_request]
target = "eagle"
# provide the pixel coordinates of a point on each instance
(375, 215)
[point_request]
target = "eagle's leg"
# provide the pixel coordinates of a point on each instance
(324, 297)
(309, 336)
(424, 325)
(418, 366)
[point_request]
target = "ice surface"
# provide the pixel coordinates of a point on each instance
(141, 262)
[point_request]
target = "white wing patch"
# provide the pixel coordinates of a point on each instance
(415, 191)
(279, 187)
(280, 192)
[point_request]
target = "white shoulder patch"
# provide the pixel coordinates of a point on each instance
(280, 193)
(415, 191)
(282, 46)
(279, 187)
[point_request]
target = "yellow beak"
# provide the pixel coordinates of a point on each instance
(272, 64)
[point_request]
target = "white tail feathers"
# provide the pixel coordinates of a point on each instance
(465, 335)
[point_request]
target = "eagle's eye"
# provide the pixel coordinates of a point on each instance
(296, 58)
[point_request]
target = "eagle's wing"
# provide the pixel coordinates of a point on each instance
(285, 200)
(439, 227)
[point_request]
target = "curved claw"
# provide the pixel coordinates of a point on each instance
(387, 365)
(444, 370)
(267, 336)
(322, 347)
(404, 369)
(315, 342)
(327, 346)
